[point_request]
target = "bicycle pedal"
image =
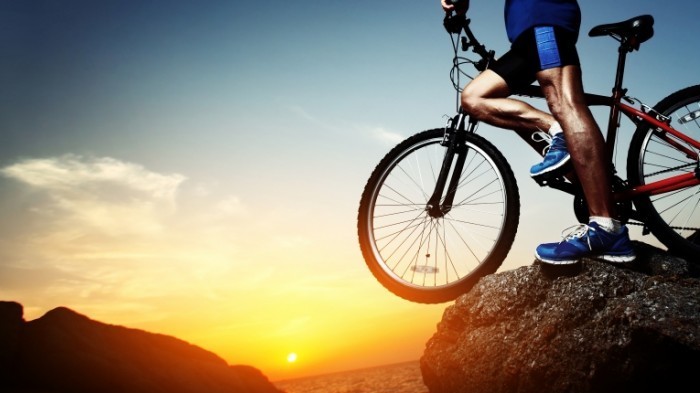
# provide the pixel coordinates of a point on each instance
(556, 175)
(546, 178)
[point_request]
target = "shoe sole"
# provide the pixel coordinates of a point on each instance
(556, 262)
(549, 170)
(617, 259)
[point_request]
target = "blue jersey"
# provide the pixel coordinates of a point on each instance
(524, 14)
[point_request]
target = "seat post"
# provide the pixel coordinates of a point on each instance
(621, 60)
(617, 93)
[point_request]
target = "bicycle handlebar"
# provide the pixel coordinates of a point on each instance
(455, 23)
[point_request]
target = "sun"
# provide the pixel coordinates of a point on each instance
(292, 357)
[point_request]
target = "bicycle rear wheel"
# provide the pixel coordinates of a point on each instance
(673, 217)
(429, 259)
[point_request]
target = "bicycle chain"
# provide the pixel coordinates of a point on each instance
(641, 224)
(671, 169)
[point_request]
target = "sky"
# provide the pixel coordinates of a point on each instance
(194, 168)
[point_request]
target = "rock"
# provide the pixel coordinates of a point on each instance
(64, 351)
(598, 328)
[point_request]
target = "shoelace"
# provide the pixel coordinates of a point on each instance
(576, 232)
(541, 136)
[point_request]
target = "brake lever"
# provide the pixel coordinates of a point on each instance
(465, 44)
(454, 23)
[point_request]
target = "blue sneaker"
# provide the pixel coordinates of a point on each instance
(556, 155)
(590, 241)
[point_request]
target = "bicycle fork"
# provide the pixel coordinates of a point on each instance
(455, 142)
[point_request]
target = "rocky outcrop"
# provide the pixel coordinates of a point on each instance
(64, 351)
(593, 327)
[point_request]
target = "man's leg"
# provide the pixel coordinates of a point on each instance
(563, 89)
(485, 98)
(603, 237)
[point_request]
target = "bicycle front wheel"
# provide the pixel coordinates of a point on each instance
(673, 217)
(429, 259)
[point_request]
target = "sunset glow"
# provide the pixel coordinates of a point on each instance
(194, 169)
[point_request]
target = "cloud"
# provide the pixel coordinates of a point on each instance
(99, 224)
(231, 206)
(104, 194)
(66, 173)
(304, 114)
(386, 136)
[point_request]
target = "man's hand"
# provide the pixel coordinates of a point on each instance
(459, 6)
(447, 7)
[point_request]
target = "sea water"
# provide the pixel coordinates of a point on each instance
(395, 378)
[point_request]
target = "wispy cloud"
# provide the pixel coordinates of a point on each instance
(231, 206)
(104, 194)
(70, 173)
(386, 136)
(315, 120)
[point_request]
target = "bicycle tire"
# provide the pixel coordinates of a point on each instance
(433, 260)
(674, 218)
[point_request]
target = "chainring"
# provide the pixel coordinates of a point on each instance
(623, 208)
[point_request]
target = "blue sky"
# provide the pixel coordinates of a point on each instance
(160, 155)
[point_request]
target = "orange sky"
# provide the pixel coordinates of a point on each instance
(195, 168)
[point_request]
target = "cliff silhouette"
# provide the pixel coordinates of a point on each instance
(67, 352)
(592, 327)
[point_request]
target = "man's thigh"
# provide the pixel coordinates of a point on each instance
(562, 84)
(487, 84)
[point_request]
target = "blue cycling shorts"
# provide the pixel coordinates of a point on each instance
(539, 48)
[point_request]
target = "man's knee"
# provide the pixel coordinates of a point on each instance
(485, 86)
(471, 101)
(565, 103)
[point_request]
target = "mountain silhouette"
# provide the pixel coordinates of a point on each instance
(67, 352)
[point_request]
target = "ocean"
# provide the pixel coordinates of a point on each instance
(394, 378)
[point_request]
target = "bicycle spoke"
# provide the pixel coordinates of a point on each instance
(688, 217)
(495, 227)
(421, 242)
(395, 234)
(685, 201)
(470, 248)
(448, 259)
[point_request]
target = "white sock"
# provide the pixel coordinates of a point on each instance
(608, 224)
(555, 128)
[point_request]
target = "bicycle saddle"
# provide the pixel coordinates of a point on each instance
(631, 32)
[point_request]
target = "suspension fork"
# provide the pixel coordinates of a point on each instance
(455, 141)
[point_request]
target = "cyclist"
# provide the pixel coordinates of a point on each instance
(543, 35)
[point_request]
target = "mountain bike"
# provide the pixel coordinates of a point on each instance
(441, 209)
